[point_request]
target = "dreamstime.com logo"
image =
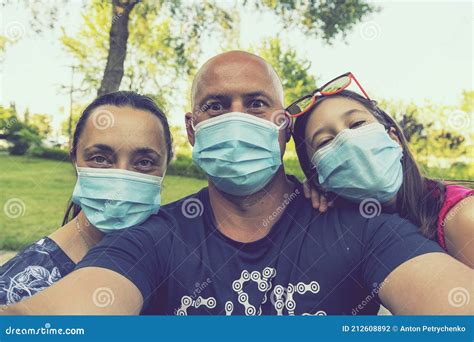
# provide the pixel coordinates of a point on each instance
(46, 330)
(370, 208)
(192, 208)
(14, 208)
(103, 119)
(458, 297)
(103, 297)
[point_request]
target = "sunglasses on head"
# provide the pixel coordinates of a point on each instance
(338, 84)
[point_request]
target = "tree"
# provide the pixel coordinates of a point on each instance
(191, 20)
(42, 123)
(292, 70)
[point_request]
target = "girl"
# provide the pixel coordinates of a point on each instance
(350, 149)
(121, 148)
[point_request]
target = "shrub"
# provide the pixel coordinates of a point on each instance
(54, 153)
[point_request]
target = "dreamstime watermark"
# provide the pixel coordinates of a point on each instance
(103, 119)
(370, 30)
(14, 208)
(280, 118)
(459, 296)
(46, 330)
(199, 287)
(288, 198)
(373, 294)
(452, 213)
(103, 297)
(14, 30)
(370, 207)
(459, 120)
(192, 208)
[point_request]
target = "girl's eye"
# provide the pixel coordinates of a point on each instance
(324, 142)
(357, 124)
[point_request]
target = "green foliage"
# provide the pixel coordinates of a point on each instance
(318, 18)
(54, 153)
(183, 166)
(292, 70)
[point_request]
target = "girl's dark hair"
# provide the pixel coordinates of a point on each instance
(419, 199)
(119, 99)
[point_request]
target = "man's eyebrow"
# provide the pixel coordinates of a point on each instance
(218, 96)
(258, 94)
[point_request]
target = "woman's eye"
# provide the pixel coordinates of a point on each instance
(99, 159)
(357, 124)
(145, 163)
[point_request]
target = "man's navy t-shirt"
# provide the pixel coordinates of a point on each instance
(308, 264)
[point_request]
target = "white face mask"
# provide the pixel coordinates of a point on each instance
(115, 199)
(239, 152)
(361, 163)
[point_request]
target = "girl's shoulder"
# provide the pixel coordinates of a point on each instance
(33, 269)
(453, 194)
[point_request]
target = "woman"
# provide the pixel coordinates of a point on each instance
(350, 149)
(121, 148)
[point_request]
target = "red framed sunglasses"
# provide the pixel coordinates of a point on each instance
(338, 84)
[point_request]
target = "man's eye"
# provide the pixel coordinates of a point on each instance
(257, 104)
(215, 106)
(357, 124)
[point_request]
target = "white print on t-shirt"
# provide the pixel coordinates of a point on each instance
(281, 297)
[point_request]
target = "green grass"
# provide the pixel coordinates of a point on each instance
(44, 187)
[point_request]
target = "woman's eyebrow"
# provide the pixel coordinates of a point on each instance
(147, 151)
(99, 148)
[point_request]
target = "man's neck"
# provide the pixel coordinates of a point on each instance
(246, 218)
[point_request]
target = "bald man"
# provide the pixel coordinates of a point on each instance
(249, 243)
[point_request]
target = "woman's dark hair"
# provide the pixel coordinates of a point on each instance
(119, 99)
(419, 199)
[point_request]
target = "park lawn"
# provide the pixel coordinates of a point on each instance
(44, 187)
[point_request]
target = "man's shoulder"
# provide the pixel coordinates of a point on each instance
(177, 214)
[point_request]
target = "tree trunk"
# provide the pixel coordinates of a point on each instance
(118, 37)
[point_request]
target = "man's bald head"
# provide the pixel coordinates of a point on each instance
(234, 66)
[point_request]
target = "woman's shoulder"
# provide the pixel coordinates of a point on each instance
(34, 268)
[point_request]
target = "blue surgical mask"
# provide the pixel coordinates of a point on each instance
(114, 199)
(239, 152)
(361, 163)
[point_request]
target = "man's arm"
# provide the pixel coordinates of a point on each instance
(87, 291)
(432, 283)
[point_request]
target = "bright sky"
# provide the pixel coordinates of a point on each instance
(407, 51)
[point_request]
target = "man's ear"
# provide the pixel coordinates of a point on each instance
(188, 120)
(392, 132)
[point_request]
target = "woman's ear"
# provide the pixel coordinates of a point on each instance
(188, 121)
(288, 126)
(392, 132)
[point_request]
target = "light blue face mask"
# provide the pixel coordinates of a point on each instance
(114, 199)
(239, 152)
(361, 163)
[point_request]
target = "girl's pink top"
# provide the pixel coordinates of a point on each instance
(453, 195)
